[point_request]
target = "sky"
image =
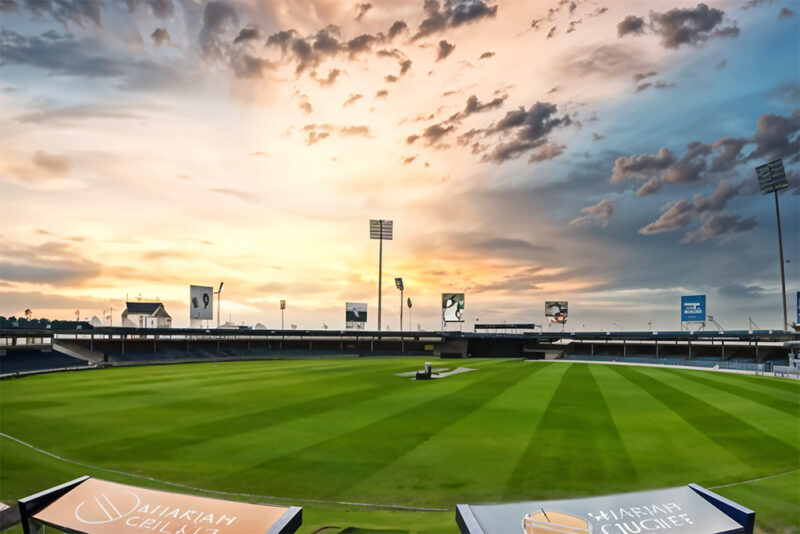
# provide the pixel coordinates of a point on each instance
(595, 152)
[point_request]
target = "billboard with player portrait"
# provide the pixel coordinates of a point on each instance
(201, 302)
(453, 307)
(556, 311)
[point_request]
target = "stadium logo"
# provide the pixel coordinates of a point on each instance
(107, 507)
(553, 522)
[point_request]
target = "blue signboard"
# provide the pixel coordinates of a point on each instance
(693, 308)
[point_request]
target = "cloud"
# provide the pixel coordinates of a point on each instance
(454, 14)
(657, 85)
(641, 167)
(721, 65)
(66, 55)
(352, 99)
(639, 76)
(651, 186)
(530, 129)
(609, 60)
(247, 66)
(360, 130)
(247, 34)
(330, 79)
(777, 137)
(675, 215)
(397, 27)
(785, 13)
(241, 195)
(318, 132)
(739, 291)
(597, 137)
(52, 263)
(160, 36)
(444, 50)
(597, 213)
(217, 15)
(51, 163)
(679, 26)
(381, 93)
(474, 105)
(362, 10)
(722, 225)
(160, 8)
(63, 11)
(630, 24)
(486, 55)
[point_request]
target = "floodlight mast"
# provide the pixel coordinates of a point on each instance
(380, 229)
(398, 283)
(218, 293)
(771, 179)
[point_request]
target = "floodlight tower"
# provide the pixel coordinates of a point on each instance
(218, 293)
(771, 179)
(398, 283)
(381, 230)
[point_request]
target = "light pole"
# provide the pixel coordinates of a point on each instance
(409, 315)
(380, 229)
(283, 307)
(771, 179)
(398, 283)
(218, 293)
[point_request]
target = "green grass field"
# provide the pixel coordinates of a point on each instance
(349, 430)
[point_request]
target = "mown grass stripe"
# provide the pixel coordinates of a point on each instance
(343, 460)
(647, 425)
(788, 407)
(746, 442)
(458, 456)
(576, 427)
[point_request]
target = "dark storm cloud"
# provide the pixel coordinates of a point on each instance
(160, 36)
(455, 13)
(247, 34)
(630, 24)
(398, 27)
(66, 55)
(217, 16)
(444, 50)
(679, 26)
(54, 263)
(362, 10)
(362, 43)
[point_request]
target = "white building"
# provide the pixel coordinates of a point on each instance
(146, 315)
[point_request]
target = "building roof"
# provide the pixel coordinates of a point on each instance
(139, 308)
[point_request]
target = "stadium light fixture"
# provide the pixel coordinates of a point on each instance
(381, 230)
(771, 179)
(398, 283)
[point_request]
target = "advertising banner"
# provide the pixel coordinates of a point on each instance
(683, 510)
(201, 302)
(693, 308)
(355, 315)
(556, 311)
(100, 507)
(453, 307)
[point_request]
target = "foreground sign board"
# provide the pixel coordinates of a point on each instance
(684, 510)
(201, 302)
(95, 506)
(693, 308)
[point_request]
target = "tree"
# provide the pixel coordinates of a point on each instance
(28, 314)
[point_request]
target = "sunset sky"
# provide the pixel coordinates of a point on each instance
(599, 152)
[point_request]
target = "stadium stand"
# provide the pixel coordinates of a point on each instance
(27, 361)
